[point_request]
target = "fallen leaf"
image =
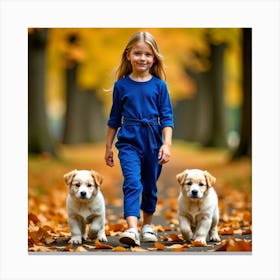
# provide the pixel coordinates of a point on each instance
(175, 237)
(49, 240)
(69, 247)
(100, 245)
(119, 249)
(159, 246)
(179, 250)
(247, 231)
(164, 238)
(80, 249)
(178, 246)
(198, 243)
(89, 246)
(138, 249)
(226, 231)
(235, 245)
(32, 217)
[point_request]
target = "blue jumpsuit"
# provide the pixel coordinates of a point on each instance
(141, 110)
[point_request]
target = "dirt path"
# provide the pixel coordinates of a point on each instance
(49, 231)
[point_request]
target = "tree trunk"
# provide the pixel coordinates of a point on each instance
(84, 119)
(216, 87)
(245, 145)
(39, 138)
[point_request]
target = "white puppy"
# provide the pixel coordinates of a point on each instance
(85, 205)
(198, 206)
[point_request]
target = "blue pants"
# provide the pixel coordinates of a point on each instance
(141, 172)
(138, 144)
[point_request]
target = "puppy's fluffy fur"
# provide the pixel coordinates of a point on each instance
(85, 205)
(198, 206)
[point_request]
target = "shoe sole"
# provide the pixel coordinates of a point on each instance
(129, 241)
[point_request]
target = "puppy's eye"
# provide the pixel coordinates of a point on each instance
(78, 185)
(89, 185)
(189, 183)
(201, 184)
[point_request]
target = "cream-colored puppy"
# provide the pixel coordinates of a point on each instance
(85, 205)
(198, 206)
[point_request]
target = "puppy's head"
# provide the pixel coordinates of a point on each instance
(195, 182)
(83, 184)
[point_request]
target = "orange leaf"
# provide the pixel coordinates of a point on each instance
(247, 231)
(235, 245)
(164, 238)
(100, 245)
(137, 249)
(68, 247)
(80, 249)
(32, 217)
(197, 243)
(179, 249)
(119, 249)
(175, 237)
(226, 231)
(159, 246)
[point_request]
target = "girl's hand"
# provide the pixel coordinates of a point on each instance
(164, 154)
(109, 157)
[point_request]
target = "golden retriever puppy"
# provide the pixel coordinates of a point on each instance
(198, 206)
(85, 205)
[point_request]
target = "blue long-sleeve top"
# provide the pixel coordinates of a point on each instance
(141, 100)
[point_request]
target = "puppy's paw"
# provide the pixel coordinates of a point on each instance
(187, 235)
(102, 237)
(76, 240)
(214, 237)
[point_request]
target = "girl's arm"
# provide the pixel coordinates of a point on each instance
(165, 150)
(109, 155)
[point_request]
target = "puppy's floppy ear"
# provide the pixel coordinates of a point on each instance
(182, 176)
(211, 180)
(98, 178)
(68, 177)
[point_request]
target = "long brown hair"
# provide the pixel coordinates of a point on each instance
(125, 68)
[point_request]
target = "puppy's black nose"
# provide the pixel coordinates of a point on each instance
(194, 192)
(83, 194)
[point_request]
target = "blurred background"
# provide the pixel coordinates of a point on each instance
(71, 72)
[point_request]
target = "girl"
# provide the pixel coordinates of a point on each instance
(142, 110)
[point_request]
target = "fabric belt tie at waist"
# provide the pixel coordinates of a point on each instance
(147, 123)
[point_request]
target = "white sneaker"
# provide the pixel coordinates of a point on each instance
(130, 237)
(148, 234)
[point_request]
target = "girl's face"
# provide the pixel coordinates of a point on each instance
(141, 57)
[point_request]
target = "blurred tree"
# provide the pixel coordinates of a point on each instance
(83, 114)
(205, 113)
(39, 139)
(245, 145)
(217, 136)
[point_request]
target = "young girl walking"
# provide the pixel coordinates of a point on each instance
(142, 117)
